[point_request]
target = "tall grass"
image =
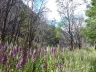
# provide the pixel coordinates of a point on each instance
(49, 59)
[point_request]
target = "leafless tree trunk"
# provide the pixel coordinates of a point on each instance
(67, 10)
(6, 18)
(34, 20)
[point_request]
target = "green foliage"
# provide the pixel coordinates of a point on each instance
(52, 38)
(60, 60)
(51, 59)
(58, 31)
(90, 30)
(50, 34)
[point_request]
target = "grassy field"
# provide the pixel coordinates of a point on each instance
(47, 60)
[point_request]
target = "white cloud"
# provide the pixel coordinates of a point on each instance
(53, 7)
(29, 2)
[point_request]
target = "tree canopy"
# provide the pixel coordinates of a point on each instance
(90, 30)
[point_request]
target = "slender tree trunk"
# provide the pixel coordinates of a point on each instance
(79, 45)
(95, 45)
(71, 42)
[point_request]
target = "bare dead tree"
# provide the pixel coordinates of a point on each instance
(34, 20)
(67, 10)
(78, 37)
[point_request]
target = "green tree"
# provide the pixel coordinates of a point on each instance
(90, 30)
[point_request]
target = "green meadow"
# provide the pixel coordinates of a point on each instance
(50, 59)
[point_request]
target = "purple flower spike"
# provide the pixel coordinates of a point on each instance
(32, 50)
(37, 53)
(17, 48)
(19, 65)
(6, 70)
(27, 54)
(14, 52)
(8, 50)
(56, 64)
(33, 58)
(3, 58)
(44, 65)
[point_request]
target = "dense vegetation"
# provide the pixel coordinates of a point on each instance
(90, 30)
(29, 42)
(50, 59)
